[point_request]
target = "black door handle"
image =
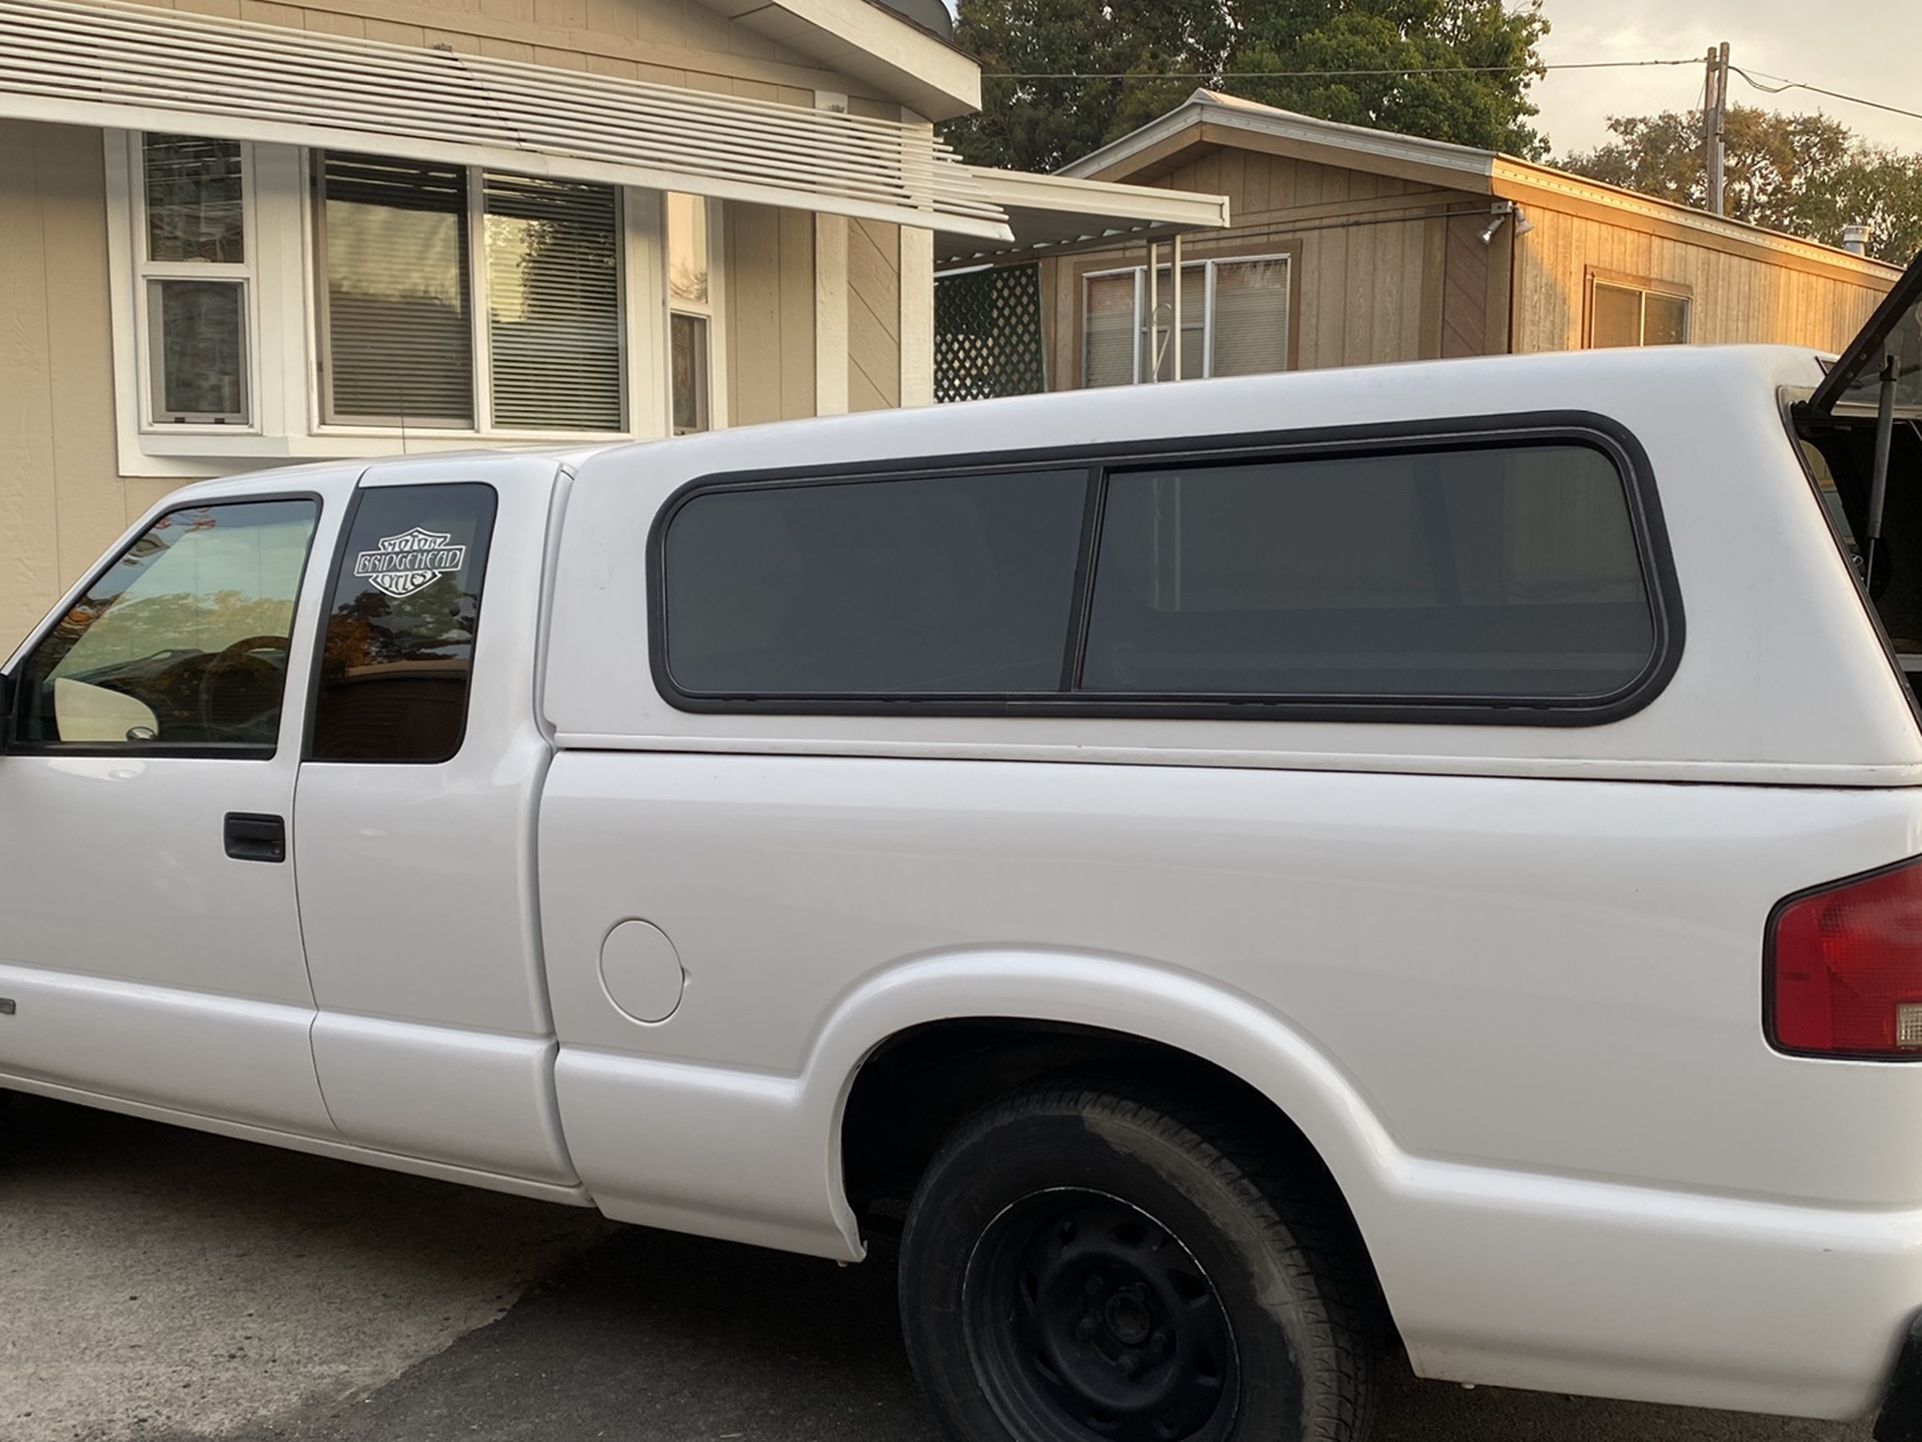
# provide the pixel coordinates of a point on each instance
(253, 837)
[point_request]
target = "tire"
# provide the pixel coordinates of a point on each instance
(1085, 1263)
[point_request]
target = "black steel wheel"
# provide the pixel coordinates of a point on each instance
(1085, 1265)
(1087, 1317)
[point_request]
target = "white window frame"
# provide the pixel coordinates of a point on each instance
(1642, 289)
(1140, 274)
(284, 342)
(147, 269)
(710, 311)
(479, 334)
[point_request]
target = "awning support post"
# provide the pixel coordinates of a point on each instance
(1174, 274)
(1154, 315)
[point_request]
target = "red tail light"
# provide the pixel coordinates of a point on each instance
(1844, 968)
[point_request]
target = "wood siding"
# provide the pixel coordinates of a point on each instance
(874, 316)
(769, 276)
(874, 300)
(1736, 298)
(1373, 260)
(61, 501)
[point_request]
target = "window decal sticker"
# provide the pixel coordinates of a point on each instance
(401, 565)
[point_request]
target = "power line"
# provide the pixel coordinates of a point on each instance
(1320, 74)
(1785, 84)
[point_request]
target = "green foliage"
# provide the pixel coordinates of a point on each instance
(1044, 124)
(1487, 53)
(1806, 175)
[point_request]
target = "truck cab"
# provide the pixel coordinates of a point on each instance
(281, 752)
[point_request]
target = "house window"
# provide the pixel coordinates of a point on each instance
(458, 298)
(194, 281)
(274, 303)
(1234, 321)
(1629, 313)
(690, 315)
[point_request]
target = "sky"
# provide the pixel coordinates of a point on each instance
(1870, 50)
(1867, 49)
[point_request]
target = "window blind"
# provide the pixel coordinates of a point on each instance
(399, 339)
(1251, 317)
(1615, 316)
(553, 304)
(1664, 319)
(1108, 331)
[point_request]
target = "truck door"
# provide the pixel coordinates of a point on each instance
(150, 943)
(414, 824)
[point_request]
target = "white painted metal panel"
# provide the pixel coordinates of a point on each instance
(417, 892)
(135, 67)
(1764, 589)
(1055, 215)
(1519, 1019)
(467, 1098)
(217, 1056)
(151, 965)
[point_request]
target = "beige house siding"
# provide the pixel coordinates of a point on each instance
(769, 275)
(60, 499)
(1390, 263)
(874, 316)
(1370, 274)
(1735, 298)
(874, 300)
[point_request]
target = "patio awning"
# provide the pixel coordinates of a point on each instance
(137, 67)
(1059, 215)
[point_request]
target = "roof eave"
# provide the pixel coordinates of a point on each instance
(1205, 120)
(1522, 180)
(869, 42)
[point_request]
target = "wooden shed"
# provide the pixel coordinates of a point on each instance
(1350, 246)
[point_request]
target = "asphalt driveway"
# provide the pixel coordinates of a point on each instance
(162, 1285)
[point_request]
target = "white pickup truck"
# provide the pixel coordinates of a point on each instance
(1231, 873)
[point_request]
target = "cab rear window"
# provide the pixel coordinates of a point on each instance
(397, 657)
(1510, 580)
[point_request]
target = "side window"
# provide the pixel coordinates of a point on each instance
(398, 654)
(1460, 578)
(1494, 573)
(183, 642)
(921, 586)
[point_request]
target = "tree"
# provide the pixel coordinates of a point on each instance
(1043, 124)
(1464, 66)
(1806, 175)
(1163, 49)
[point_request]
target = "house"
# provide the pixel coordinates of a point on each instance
(1350, 246)
(241, 234)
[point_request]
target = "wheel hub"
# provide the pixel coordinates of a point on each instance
(1090, 1320)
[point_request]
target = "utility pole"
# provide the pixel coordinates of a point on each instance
(1715, 124)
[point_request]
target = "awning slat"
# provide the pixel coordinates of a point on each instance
(123, 66)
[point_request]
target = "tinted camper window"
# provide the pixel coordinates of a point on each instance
(922, 586)
(1489, 576)
(1489, 573)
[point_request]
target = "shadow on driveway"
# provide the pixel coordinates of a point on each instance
(315, 1301)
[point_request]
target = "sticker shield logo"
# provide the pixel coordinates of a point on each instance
(401, 565)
